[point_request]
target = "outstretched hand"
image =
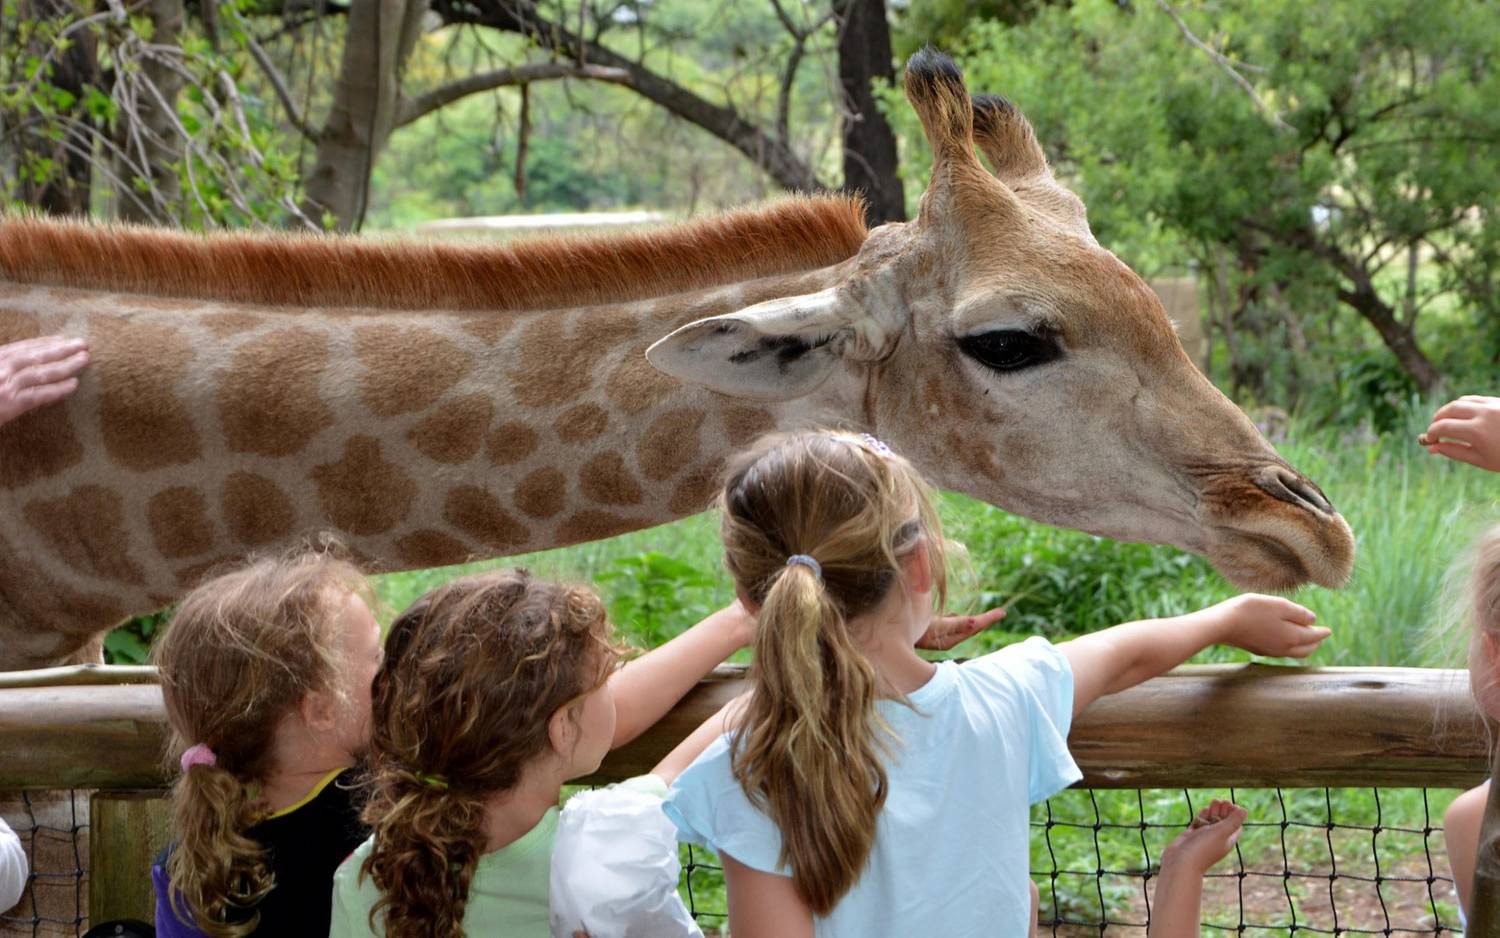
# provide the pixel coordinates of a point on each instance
(1270, 625)
(1208, 839)
(947, 631)
(37, 372)
(1467, 430)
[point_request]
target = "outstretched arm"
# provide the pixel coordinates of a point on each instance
(1178, 909)
(648, 686)
(1111, 660)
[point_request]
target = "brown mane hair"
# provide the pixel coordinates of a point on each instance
(307, 270)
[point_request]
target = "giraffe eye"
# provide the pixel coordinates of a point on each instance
(1010, 349)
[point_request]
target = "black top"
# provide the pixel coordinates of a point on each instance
(305, 844)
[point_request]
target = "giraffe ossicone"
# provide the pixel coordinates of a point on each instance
(434, 403)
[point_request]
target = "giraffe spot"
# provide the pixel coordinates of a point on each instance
(489, 328)
(635, 384)
(198, 573)
(86, 529)
(160, 600)
(581, 423)
(16, 325)
(224, 325)
(454, 434)
(606, 480)
(670, 443)
(593, 525)
(543, 493)
(697, 490)
(408, 369)
(37, 445)
(429, 548)
(510, 443)
(268, 398)
(135, 364)
(179, 522)
(557, 364)
(363, 493)
(743, 425)
(256, 510)
(480, 515)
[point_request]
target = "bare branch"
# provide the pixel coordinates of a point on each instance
(1229, 68)
(423, 104)
(278, 84)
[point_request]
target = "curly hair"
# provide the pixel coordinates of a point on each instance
(473, 673)
(241, 651)
(809, 750)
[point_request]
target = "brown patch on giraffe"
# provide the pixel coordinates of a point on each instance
(582, 423)
(744, 425)
(592, 525)
(268, 398)
(557, 363)
(160, 601)
(195, 574)
(224, 325)
(510, 443)
(86, 529)
(256, 510)
(16, 325)
(409, 369)
(429, 548)
(489, 328)
(363, 493)
(635, 384)
(696, 492)
(179, 522)
(456, 432)
(480, 515)
(670, 443)
(135, 364)
(606, 480)
(543, 493)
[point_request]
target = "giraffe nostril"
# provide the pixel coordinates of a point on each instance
(1285, 484)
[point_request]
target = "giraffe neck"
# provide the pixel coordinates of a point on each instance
(207, 431)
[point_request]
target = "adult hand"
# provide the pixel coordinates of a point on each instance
(1467, 430)
(947, 631)
(38, 372)
(1270, 625)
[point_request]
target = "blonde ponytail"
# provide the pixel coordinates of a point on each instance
(811, 746)
(219, 873)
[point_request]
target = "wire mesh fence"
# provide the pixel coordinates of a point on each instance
(1369, 861)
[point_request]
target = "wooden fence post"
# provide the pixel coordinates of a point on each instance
(127, 829)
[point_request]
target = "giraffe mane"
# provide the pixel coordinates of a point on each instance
(309, 270)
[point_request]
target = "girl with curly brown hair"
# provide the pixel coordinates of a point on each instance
(266, 675)
(496, 690)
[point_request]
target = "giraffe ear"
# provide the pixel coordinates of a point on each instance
(773, 351)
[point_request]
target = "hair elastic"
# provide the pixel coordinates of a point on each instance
(879, 448)
(432, 781)
(197, 754)
(803, 560)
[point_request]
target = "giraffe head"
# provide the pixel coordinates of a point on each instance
(996, 344)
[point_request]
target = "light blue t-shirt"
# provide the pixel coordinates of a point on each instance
(982, 742)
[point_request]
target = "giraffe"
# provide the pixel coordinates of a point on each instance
(436, 403)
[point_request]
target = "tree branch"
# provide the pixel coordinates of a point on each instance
(1228, 66)
(411, 109)
(278, 83)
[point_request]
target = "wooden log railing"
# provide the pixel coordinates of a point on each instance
(1207, 726)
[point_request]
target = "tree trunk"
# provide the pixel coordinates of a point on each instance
(380, 37)
(869, 144)
(67, 191)
(1397, 337)
(149, 134)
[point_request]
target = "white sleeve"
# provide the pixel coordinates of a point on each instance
(615, 867)
(13, 868)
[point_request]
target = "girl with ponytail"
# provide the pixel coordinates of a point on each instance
(496, 690)
(265, 672)
(865, 790)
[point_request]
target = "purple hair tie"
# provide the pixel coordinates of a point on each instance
(803, 560)
(879, 448)
(198, 754)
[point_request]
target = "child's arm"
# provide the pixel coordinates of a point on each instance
(1467, 430)
(693, 745)
(1461, 825)
(1177, 910)
(648, 686)
(764, 905)
(1112, 660)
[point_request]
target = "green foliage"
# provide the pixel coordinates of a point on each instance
(652, 596)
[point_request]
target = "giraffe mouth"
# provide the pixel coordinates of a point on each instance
(1272, 554)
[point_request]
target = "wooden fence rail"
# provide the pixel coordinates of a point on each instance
(1205, 726)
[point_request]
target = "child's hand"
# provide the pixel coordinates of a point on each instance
(741, 624)
(1467, 430)
(1206, 841)
(1270, 625)
(947, 631)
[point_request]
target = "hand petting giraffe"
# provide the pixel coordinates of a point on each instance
(433, 403)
